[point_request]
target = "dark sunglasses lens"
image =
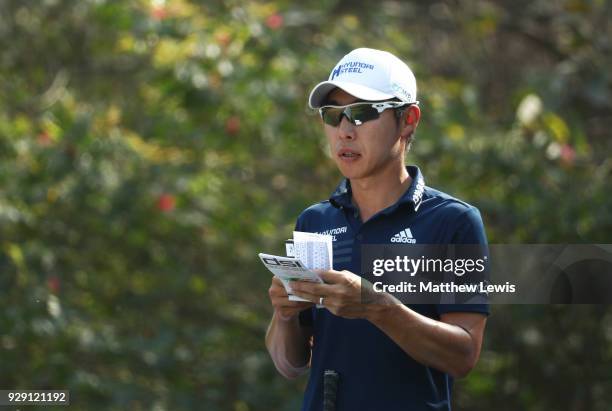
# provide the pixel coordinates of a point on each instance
(363, 113)
(356, 114)
(331, 116)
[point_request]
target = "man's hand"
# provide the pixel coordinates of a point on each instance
(287, 341)
(284, 308)
(344, 294)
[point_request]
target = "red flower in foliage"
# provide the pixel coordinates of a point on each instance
(159, 12)
(44, 138)
(223, 39)
(166, 202)
(568, 154)
(274, 21)
(232, 125)
(54, 284)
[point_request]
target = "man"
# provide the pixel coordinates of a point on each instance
(388, 356)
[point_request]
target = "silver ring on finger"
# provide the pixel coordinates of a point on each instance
(321, 300)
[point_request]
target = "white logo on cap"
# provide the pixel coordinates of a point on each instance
(400, 91)
(350, 67)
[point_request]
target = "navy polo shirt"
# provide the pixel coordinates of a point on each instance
(375, 373)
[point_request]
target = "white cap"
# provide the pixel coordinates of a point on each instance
(368, 74)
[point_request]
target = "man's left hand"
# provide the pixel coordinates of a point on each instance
(344, 294)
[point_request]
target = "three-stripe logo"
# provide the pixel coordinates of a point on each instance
(404, 236)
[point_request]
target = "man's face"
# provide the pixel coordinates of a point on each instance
(365, 150)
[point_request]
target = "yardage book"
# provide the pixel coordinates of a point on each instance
(307, 252)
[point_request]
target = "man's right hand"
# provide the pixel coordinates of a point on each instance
(283, 307)
(286, 340)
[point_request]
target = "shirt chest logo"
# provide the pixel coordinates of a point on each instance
(404, 236)
(334, 232)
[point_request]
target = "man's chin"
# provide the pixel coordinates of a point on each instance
(353, 176)
(348, 172)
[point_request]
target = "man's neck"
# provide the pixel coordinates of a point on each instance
(375, 193)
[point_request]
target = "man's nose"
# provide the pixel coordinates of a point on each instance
(346, 129)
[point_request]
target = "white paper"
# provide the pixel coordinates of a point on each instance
(289, 269)
(315, 250)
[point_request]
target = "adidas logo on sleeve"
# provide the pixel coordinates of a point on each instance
(404, 236)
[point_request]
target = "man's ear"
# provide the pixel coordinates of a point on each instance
(409, 121)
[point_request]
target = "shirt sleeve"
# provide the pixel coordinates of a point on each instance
(470, 231)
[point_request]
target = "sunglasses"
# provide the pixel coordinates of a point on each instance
(358, 113)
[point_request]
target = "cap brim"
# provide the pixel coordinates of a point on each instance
(321, 90)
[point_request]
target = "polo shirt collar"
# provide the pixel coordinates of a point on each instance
(341, 197)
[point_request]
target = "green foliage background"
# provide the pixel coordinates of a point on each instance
(149, 150)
